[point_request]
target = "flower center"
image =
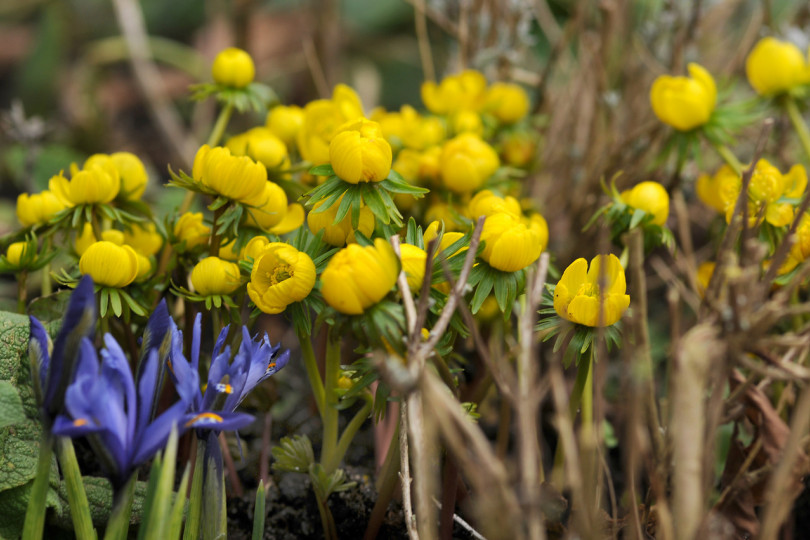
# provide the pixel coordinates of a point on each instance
(588, 289)
(280, 273)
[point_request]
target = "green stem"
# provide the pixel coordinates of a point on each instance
(77, 498)
(582, 393)
(729, 157)
(22, 291)
(215, 237)
(96, 227)
(47, 288)
(192, 529)
(348, 434)
(314, 376)
(330, 414)
(386, 485)
(220, 125)
(798, 123)
(35, 513)
(329, 529)
(118, 525)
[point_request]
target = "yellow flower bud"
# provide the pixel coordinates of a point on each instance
(486, 203)
(130, 170)
(443, 212)
(293, 218)
(145, 267)
(448, 238)
(684, 102)
(519, 149)
(775, 66)
(87, 238)
(15, 252)
(262, 146)
(344, 383)
(467, 162)
(281, 275)
(238, 178)
(255, 247)
(322, 118)
(413, 262)
(38, 208)
(578, 295)
(467, 122)
(233, 67)
(339, 234)
(704, 276)
(359, 152)
(213, 276)
(109, 264)
(191, 230)
(465, 90)
(94, 184)
(511, 244)
(652, 198)
(271, 212)
(285, 122)
(144, 239)
(227, 253)
(508, 102)
(358, 277)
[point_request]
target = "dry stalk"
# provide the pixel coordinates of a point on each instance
(315, 67)
(405, 474)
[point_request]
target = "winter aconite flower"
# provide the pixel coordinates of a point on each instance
(109, 264)
(652, 198)
(766, 190)
(775, 66)
(213, 276)
(94, 184)
(339, 234)
(578, 293)
(285, 122)
(130, 170)
(359, 152)
(281, 275)
(684, 102)
(357, 277)
(510, 243)
(270, 210)
(190, 231)
(322, 118)
(413, 262)
(87, 238)
(462, 91)
(262, 146)
(467, 162)
(17, 252)
(144, 238)
(487, 203)
(233, 67)
(508, 102)
(38, 208)
(238, 178)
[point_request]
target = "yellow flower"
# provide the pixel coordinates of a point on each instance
(467, 162)
(508, 102)
(213, 276)
(450, 215)
(233, 67)
(767, 186)
(512, 244)
(684, 102)
(38, 208)
(467, 122)
(130, 170)
(191, 230)
(465, 90)
(413, 262)
(577, 296)
(712, 190)
(322, 118)
(519, 149)
(87, 238)
(109, 264)
(254, 248)
(281, 275)
(448, 238)
(359, 277)
(238, 178)
(775, 66)
(338, 234)
(651, 197)
(293, 218)
(285, 122)
(94, 184)
(145, 267)
(16, 252)
(144, 239)
(704, 276)
(486, 203)
(261, 145)
(359, 153)
(272, 211)
(227, 253)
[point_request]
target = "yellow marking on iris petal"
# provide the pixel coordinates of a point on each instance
(79, 422)
(226, 388)
(271, 365)
(204, 416)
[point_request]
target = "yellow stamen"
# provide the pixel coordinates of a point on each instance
(204, 416)
(79, 422)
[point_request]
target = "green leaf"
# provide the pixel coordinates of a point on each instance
(11, 409)
(100, 498)
(322, 170)
(293, 454)
(14, 503)
(115, 302)
(51, 307)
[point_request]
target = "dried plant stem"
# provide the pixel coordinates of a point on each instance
(315, 68)
(428, 70)
(405, 473)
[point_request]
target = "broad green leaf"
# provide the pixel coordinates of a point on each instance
(11, 409)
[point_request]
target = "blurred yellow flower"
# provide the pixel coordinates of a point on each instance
(462, 91)
(775, 66)
(87, 238)
(38, 208)
(684, 102)
(711, 189)
(768, 185)
(144, 238)
(519, 149)
(145, 267)
(413, 262)
(271, 211)
(704, 276)
(339, 234)
(511, 244)
(254, 248)
(359, 153)
(227, 253)
(191, 230)
(651, 197)
(322, 118)
(109, 264)
(577, 295)
(16, 252)
(446, 213)
(358, 277)
(467, 162)
(94, 184)
(213, 276)
(130, 170)
(508, 102)
(448, 238)
(486, 203)
(293, 218)
(233, 67)
(285, 121)
(262, 146)
(467, 122)
(238, 178)
(281, 275)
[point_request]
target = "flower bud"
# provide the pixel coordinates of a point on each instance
(38, 209)
(233, 67)
(358, 277)
(486, 203)
(238, 178)
(652, 198)
(144, 238)
(94, 184)
(87, 238)
(130, 170)
(272, 211)
(512, 244)
(467, 162)
(775, 66)
(339, 234)
(467, 122)
(359, 152)
(684, 102)
(262, 146)
(285, 122)
(16, 252)
(281, 275)
(145, 268)
(508, 102)
(293, 218)
(322, 118)
(413, 262)
(213, 276)
(109, 264)
(465, 90)
(191, 230)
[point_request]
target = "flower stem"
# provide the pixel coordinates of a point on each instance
(348, 434)
(729, 157)
(330, 413)
(35, 513)
(329, 529)
(47, 288)
(77, 498)
(798, 123)
(215, 237)
(22, 291)
(314, 376)
(118, 525)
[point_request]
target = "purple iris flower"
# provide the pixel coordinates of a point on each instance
(229, 382)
